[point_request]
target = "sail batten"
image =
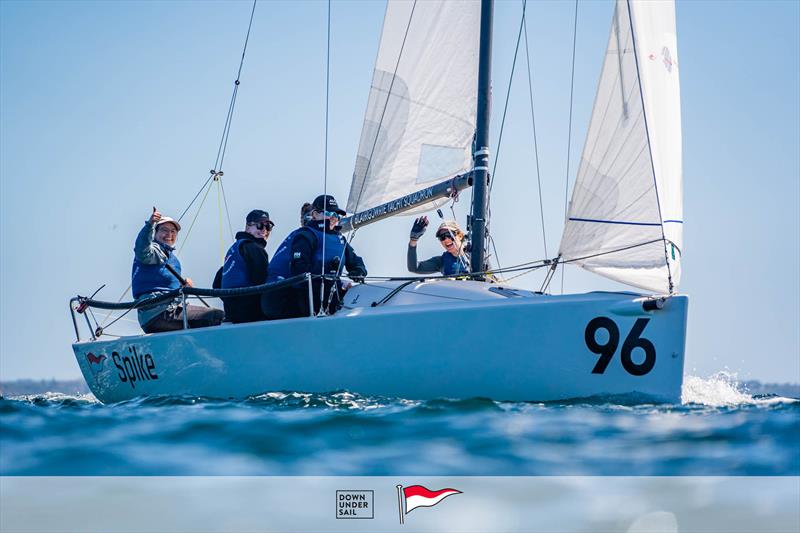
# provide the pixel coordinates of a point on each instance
(629, 185)
(421, 112)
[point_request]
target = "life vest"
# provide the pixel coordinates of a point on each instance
(151, 278)
(334, 248)
(234, 270)
(281, 265)
(452, 266)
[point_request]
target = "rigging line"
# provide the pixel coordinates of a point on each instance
(199, 208)
(535, 142)
(569, 133)
(383, 113)
(502, 125)
(195, 197)
(494, 250)
(225, 128)
(227, 131)
(325, 161)
(223, 143)
(227, 211)
(650, 147)
(462, 257)
(124, 294)
(508, 97)
(221, 227)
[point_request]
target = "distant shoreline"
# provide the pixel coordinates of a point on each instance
(23, 387)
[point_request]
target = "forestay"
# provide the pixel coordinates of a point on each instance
(629, 186)
(420, 117)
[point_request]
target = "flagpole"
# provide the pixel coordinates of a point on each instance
(400, 501)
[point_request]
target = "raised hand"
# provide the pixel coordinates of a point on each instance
(419, 227)
(155, 217)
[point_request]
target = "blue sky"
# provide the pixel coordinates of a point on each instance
(109, 108)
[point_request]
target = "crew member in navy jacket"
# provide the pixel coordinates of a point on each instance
(246, 265)
(154, 255)
(318, 247)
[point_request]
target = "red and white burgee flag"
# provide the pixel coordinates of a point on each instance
(419, 496)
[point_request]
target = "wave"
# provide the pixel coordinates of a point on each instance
(724, 389)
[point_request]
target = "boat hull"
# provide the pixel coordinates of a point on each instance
(507, 348)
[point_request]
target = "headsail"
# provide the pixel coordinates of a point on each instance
(420, 118)
(628, 195)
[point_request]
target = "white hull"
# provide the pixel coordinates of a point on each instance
(437, 339)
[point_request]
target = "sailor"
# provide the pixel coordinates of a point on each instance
(156, 269)
(246, 265)
(305, 213)
(319, 248)
(453, 262)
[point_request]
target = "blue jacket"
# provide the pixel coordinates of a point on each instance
(452, 265)
(301, 252)
(234, 271)
(447, 263)
(149, 275)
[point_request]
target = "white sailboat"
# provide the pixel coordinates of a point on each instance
(425, 136)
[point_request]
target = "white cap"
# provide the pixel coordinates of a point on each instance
(164, 220)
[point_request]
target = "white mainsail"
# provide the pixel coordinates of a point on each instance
(420, 117)
(628, 194)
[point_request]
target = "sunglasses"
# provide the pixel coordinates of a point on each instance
(261, 226)
(443, 236)
(329, 214)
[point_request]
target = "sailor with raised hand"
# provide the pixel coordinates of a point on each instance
(318, 247)
(156, 269)
(453, 262)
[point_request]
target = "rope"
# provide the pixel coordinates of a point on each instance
(508, 97)
(503, 123)
(569, 134)
(199, 208)
(223, 143)
(227, 211)
(195, 197)
(535, 142)
(221, 226)
(322, 305)
(217, 171)
(650, 149)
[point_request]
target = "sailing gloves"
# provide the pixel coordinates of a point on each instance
(419, 227)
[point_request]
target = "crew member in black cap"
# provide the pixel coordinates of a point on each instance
(319, 248)
(246, 265)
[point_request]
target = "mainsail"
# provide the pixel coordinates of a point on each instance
(420, 118)
(625, 219)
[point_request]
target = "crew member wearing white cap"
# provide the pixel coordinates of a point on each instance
(156, 269)
(453, 262)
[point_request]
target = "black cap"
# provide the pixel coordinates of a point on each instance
(326, 202)
(257, 215)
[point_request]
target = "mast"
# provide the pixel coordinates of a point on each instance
(480, 197)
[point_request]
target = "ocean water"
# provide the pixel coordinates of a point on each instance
(720, 428)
